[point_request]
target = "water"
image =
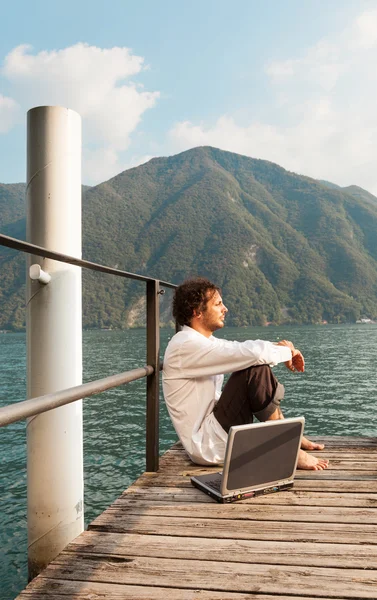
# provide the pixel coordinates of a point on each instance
(336, 394)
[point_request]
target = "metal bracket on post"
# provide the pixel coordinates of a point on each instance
(37, 274)
(153, 359)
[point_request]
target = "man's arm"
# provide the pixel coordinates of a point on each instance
(204, 357)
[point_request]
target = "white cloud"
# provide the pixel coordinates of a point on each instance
(9, 113)
(102, 163)
(256, 139)
(324, 121)
(365, 29)
(93, 81)
(136, 161)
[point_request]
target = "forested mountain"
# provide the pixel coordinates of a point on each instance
(283, 247)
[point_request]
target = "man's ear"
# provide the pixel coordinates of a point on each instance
(197, 314)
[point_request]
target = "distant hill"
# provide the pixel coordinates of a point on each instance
(358, 192)
(283, 247)
(354, 190)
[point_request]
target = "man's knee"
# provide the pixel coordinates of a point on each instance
(262, 375)
(263, 387)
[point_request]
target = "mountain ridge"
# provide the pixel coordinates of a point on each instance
(284, 247)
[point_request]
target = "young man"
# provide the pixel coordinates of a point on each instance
(194, 363)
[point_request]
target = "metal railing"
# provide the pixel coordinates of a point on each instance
(24, 409)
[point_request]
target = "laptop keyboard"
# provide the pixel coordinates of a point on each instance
(214, 484)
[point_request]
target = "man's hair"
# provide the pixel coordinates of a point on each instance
(192, 295)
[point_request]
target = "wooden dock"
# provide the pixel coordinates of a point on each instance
(163, 539)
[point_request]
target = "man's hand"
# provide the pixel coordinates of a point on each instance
(297, 362)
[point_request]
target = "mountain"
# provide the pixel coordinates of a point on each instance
(283, 247)
(354, 190)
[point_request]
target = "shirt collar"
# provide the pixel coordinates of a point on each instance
(194, 332)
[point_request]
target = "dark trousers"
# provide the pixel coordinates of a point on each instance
(252, 392)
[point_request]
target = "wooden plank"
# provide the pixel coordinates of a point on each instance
(247, 512)
(343, 474)
(342, 533)
(315, 484)
(359, 460)
(292, 497)
(337, 461)
(336, 464)
(339, 486)
(348, 456)
(338, 475)
(344, 440)
(62, 589)
(223, 576)
(287, 553)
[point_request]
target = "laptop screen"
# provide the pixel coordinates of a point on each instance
(263, 454)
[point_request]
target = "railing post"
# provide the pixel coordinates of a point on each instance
(153, 359)
(53, 325)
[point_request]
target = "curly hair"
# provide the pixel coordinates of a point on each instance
(192, 295)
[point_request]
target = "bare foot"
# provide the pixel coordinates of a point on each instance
(308, 445)
(310, 462)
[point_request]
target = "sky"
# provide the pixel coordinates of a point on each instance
(291, 82)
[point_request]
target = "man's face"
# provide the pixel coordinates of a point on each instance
(213, 316)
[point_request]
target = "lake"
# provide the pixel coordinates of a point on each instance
(336, 394)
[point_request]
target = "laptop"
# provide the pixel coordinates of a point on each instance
(260, 458)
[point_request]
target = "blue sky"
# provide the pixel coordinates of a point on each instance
(293, 82)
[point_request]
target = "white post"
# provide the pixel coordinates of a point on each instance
(54, 338)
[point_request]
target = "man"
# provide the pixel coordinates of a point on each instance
(194, 364)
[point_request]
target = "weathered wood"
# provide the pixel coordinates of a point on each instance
(218, 576)
(339, 486)
(248, 512)
(63, 589)
(179, 458)
(311, 482)
(288, 553)
(292, 497)
(163, 538)
(343, 475)
(344, 441)
(175, 466)
(237, 529)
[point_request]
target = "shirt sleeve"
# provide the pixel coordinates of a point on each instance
(213, 356)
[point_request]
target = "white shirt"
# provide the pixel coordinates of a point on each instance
(192, 380)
